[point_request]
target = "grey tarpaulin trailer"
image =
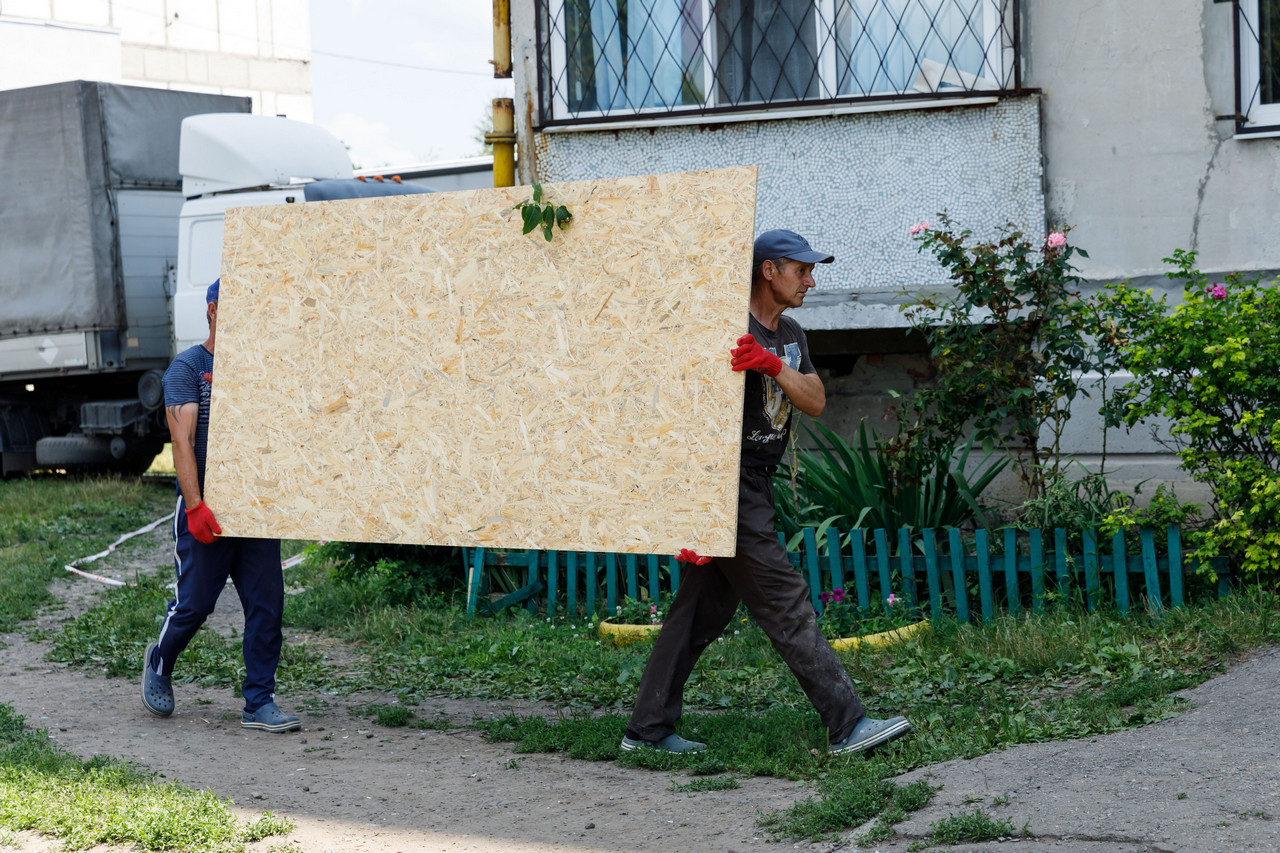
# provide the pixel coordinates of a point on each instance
(90, 194)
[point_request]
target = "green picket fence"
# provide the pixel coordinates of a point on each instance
(969, 575)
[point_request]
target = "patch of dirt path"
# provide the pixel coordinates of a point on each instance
(350, 785)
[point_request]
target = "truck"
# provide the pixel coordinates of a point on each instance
(112, 201)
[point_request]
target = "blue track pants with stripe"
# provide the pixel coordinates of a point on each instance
(254, 567)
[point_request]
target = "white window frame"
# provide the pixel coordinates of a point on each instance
(559, 65)
(999, 57)
(1259, 115)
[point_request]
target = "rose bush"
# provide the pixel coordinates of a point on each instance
(1006, 351)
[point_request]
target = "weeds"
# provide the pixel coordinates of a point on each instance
(853, 793)
(390, 716)
(970, 827)
(714, 783)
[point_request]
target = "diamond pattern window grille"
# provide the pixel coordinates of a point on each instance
(602, 60)
(1257, 50)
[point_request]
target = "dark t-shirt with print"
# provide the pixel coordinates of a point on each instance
(189, 379)
(766, 415)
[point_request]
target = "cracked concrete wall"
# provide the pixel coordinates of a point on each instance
(1136, 159)
(1139, 164)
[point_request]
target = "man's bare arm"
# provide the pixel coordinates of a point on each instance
(804, 390)
(182, 420)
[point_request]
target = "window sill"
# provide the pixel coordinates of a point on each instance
(1266, 133)
(774, 115)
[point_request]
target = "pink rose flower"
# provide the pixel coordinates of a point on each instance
(1217, 291)
(1056, 240)
(919, 227)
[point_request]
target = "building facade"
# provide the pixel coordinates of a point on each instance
(255, 48)
(1145, 126)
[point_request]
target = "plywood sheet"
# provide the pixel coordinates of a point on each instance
(413, 369)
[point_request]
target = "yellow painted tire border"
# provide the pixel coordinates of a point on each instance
(884, 638)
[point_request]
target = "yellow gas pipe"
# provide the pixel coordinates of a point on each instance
(503, 135)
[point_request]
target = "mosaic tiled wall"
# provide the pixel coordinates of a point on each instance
(852, 184)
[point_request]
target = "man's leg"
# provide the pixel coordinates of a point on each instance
(260, 583)
(702, 608)
(202, 573)
(778, 599)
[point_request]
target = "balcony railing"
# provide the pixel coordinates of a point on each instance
(611, 60)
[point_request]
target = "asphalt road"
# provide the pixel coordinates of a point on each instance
(1206, 780)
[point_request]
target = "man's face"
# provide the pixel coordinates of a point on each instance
(791, 281)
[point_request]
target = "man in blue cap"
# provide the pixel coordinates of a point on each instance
(204, 559)
(779, 375)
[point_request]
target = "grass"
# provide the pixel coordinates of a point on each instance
(967, 689)
(104, 801)
(46, 522)
(112, 636)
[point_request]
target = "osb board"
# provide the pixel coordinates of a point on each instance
(413, 369)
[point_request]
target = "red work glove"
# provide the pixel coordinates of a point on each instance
(684, 555)
(751, 356)
(202, 524)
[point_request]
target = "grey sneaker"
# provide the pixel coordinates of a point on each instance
(157, 689)
(869, 733)
(269, 718)
(670, 743)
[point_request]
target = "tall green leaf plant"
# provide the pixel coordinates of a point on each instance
(845, 485)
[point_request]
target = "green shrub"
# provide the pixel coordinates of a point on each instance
(395, 574)
(1211, 365)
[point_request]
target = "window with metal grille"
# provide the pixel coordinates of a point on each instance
(1257, 43)
(603, 60)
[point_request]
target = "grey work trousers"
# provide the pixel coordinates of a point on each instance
(777, 598)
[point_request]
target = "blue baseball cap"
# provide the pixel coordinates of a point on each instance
(781, 243)
(211, 295)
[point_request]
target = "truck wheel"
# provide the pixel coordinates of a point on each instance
(74, 451)
(20, 428)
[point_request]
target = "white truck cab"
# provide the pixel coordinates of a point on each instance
(237, 160)
(87, 331)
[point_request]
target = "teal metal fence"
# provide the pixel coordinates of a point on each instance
(968, 574)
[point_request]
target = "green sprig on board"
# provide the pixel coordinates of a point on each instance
(537, 213)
